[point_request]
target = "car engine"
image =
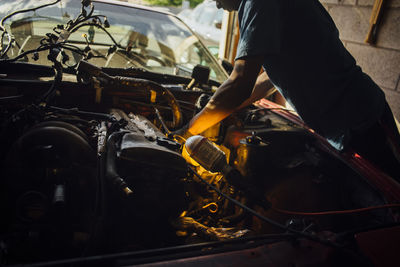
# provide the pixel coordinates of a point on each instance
(83, 178)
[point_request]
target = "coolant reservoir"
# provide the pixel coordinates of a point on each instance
(206, 153)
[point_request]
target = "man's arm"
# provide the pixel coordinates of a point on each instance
(229, 96)
(262, 89)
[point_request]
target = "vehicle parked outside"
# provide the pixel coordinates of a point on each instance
(206, 20)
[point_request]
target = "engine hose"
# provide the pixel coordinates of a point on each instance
(124, 85)
(111, 168)
(235, 218)
(336, 212)
(47, 97)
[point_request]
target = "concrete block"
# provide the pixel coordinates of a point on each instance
(389, 29)
(382, 65)
(327, 6)
(392, 3)
(353, 25)
(352, 22)
(393, 98)
(398, 85)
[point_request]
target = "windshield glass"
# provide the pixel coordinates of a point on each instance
(146, 39)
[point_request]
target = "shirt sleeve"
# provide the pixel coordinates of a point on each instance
(260, 28)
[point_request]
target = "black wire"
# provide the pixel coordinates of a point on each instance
(13, 14)
(72, 26)
(57, 80)
(39, 49)
(61, 45)
(100, 27)
(8, 98)
(265, 219)
(24, 11)
(85, 114)
(44, 48)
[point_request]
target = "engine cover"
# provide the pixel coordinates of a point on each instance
(155, 172)
(135, 147)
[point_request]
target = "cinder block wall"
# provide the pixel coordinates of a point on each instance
(381, 61)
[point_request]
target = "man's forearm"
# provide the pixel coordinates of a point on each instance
(224, 102)
(205, 119)
(262, 88)
(229, 96)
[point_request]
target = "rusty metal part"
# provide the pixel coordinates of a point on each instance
(124, 86)
(212, 207)
(210, 233)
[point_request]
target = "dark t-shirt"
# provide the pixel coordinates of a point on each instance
(307, 62)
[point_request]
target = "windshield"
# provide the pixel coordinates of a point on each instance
(146, 39)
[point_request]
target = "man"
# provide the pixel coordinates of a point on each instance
(298, 45)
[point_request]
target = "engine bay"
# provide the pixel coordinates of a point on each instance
(85, 178)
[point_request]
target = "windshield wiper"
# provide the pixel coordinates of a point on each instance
(155, 76)
(133, 56)
(146, 74)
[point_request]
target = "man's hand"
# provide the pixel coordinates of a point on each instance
(229, 96)
(181, 134)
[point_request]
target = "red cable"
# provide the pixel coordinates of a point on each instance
(335, 212)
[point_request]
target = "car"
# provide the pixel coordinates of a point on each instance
(206, 20)
(94, 172)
